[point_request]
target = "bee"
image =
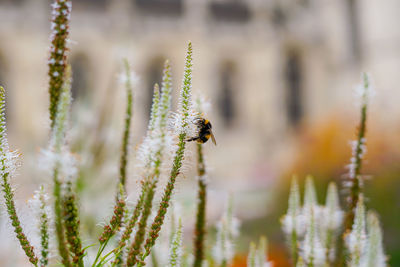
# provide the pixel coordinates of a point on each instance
(204, 132)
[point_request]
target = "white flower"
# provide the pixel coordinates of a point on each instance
(356, 240)
(39, 204)
(69, 5)
(227, 231)
(331, 215)
(130, 77)
(55, 5)
(181, 123)
(257, 256)
(374, 254)
(11, 162)
(65, 161)
(294, 220)
(175, 252)
(313, 251)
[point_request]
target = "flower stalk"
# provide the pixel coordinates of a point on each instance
(356, 240)
(8, 165)
(227, 231)
(200, 231)
(61, 12)
(157, 134)
(118, 251)
(359, 149)
(291, 221)
(151, 181)
(184, 120)
(39, 203)
(374, 254)
(56, 144)
(175, 253)
(71, 222)
(127, 125)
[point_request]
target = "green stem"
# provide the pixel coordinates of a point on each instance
(44, 232)
(71, 223)
(129, 227)
(141, 232)
(201, 210)
(165, 201)
(294, 247)
(15, 222)
(356, 186)
(128, 119)
(62, 247)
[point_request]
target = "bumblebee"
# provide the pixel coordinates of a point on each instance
(204, 132)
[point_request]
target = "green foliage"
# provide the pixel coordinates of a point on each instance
(312, 230)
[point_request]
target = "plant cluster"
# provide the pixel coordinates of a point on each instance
(317, 235)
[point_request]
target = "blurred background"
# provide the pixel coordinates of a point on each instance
(280, 75)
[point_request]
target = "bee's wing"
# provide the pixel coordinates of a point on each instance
(213, 138)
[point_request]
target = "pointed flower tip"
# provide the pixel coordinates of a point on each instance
(310, 195)
(156, 88)
(365, 90)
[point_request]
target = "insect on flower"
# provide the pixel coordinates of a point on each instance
(204, 128)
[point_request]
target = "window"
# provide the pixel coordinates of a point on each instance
(226, 97)
(293, 78)
(13, 2)
(232, 11)
(161, 7)
(89, 4)
(353, 32)
(80, 79)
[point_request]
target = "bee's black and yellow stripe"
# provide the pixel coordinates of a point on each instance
(204, 127)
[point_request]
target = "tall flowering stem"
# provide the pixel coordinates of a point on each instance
(150, 184)
(356, 240)
(200, 231)
(119, 207)
(175, 253)
(113, 226)
(39, 203)
(374, 254)
(8, 165)
(129, 228)
(257, 256)
(184, 119)
(71, 221)
(332, 221)
(56, 144)
(141, 232)
(128, 119)
(291, 222)
(61, 12)
(251, 258)
(156, 135)
(359, 149)
(227, 231)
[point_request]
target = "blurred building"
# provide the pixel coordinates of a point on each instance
(267, 66)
